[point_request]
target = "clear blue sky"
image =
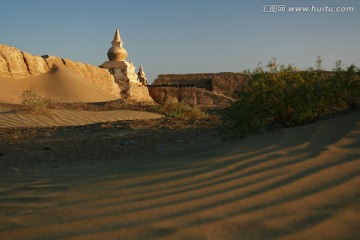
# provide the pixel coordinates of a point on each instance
(183, 36)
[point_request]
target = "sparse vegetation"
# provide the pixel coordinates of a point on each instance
(284, 97)
(34, 101)
(117, 105)
(180, 111)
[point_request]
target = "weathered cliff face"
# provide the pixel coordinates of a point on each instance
(4, 69)
(16, 64)
(13, 60)
(98, 76)
(35, 64)
(51, 60)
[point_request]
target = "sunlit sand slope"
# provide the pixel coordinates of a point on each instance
(295, 183)
(63, 84)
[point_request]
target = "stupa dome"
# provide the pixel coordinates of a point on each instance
(117, 52)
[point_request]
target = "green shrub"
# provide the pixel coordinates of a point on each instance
(34, 101)
(180, 111)
(286, 98)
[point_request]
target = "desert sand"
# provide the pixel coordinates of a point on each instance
(62, 84)
(294, 183)
(13, 118)
(149, 179)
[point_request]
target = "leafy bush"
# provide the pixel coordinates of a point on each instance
(34, 101)
(286, 97)
(180, 111)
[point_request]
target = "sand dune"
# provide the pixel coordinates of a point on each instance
(64, 85)
(11, 118)
(296, 183)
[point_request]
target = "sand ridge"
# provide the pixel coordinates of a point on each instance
(294, 183)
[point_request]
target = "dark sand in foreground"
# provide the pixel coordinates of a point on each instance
(294, 183)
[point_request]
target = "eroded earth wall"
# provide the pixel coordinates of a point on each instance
(189, 95)
(225, 83)
(203, 89)
(17, 64)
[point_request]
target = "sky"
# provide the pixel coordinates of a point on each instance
(185, 36)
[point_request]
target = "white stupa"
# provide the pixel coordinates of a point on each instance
(117, 65)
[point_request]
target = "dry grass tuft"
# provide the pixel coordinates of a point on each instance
(35, 101)
(180, 111)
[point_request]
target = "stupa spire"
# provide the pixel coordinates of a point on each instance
(117, 52)
(122, 70)
(141, 76)
(117, 36)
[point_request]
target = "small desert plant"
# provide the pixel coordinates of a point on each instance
(180, 111)
(318, 63)
(34, 101)
(286, 97)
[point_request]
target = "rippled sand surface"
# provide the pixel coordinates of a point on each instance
(295, 183)
(10, 118)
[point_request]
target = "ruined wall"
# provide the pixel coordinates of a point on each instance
(139, 93)
(228, 83)
(164, 94)
(16, 64)
(225, 83)
(189, 95)
(207, 89)
(202, 80)
(135, 92)
(209, 99)
(202, 97)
